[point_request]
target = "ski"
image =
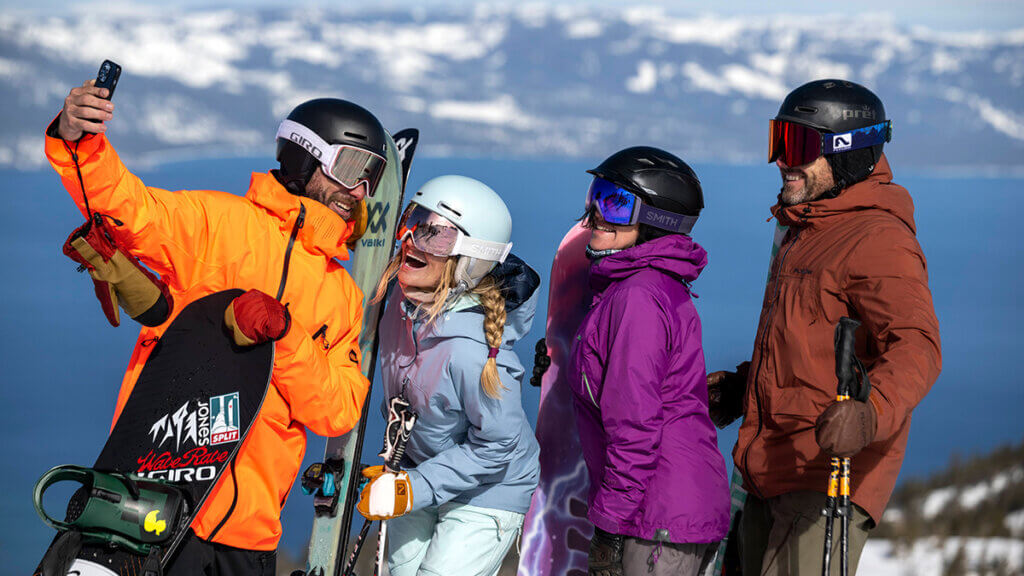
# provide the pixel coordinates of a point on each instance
(334, 482)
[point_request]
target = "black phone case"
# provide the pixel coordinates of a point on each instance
(107, 77)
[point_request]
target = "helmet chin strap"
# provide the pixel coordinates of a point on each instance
(293, 184)
(595, 255)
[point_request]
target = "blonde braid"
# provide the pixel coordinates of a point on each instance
(493, 303)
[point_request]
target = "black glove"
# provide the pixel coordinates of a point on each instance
(605, 554)
(541, 362)
(725, 394)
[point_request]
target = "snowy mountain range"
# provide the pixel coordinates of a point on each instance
(530, 80)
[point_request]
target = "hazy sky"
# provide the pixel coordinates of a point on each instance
(942, 14)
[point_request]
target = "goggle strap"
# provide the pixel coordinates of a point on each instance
(309, 140)
(856, 139)
(313, 143)
(483, 249)
(665, 220)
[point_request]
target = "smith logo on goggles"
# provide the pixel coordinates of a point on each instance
(797, 144)
(346, 165)
(435, 234)
(616, 205)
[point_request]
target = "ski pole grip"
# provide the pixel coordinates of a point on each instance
(393, 464)
(846, 331)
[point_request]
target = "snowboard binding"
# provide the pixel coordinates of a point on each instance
(115, 509)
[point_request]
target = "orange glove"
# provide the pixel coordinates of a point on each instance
(386, 495)
(255, 317)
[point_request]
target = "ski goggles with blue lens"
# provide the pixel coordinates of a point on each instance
(797, 144)
(346, 165)
(619, 206)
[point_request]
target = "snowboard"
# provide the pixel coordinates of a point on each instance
(727, 558)
(184, 422)
(556, 535)
(337, 484)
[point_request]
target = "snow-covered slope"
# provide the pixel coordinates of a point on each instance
(529, 80)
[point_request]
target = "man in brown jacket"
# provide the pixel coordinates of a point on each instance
(850, 250)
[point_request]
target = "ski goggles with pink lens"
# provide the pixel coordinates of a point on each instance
(798, 144)
(619, 206)
(346, 165)
(435, 234)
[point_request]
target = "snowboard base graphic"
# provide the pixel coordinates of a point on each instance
(556, 536)
(184, 422)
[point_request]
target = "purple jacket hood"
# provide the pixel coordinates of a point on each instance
(676, 255)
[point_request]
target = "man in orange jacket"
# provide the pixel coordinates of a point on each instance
(284, 237)
(850, 250)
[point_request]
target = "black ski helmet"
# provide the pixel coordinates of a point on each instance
(658, 177)
(337, 122)
(836, 106)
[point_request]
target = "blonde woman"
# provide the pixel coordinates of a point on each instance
(471, 463)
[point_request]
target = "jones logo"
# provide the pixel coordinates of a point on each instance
(183, 425)
(842, 142)
(224, 414)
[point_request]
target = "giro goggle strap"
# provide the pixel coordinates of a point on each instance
(347, 165)
(435, 234)
(619, 206)
(798, 144)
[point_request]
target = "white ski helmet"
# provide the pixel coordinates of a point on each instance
(480, 214)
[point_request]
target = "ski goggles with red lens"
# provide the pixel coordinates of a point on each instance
(346, 165)
(797, 144)
(435, 234)
(619, 206)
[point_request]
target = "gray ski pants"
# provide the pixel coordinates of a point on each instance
(784, 536)
(648, 558)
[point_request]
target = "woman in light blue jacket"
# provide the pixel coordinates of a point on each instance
(471, 462)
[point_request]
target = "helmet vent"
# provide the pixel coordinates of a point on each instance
(354, 135)
(450, 209)
(806, 109)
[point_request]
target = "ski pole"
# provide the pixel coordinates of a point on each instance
(837, 501)
(400, 423)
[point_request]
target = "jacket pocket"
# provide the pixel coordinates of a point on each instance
(589, 391)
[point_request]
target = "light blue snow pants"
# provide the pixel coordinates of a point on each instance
(451, 540)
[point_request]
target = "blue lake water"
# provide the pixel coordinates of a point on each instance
(62, 363)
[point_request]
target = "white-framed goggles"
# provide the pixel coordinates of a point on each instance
(345, 164)
(437, 235)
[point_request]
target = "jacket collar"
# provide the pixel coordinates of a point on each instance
(322, 232)
(877, 192)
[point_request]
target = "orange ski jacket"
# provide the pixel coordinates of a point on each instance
(204, 241)
(854, 255)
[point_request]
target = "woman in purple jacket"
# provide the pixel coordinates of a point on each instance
(659, 497)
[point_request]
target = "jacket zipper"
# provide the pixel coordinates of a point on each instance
(760, 360)
(280, 292)
(291, 244)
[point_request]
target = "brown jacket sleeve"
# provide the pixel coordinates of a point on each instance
(887, 284)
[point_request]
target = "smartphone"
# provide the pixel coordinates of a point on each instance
(107, 77)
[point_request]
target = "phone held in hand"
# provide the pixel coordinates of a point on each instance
(107, 77)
